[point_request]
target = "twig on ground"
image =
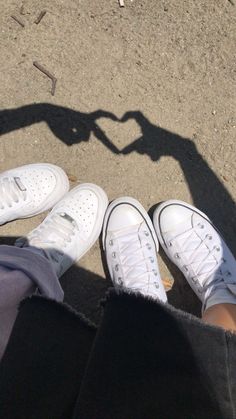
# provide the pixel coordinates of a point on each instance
(18, 21)
(40, 16)
(47, 73)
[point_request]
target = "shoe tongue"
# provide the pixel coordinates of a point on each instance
(19, 184)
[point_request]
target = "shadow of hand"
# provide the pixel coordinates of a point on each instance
(69, 126)
(154, 141)
(207, 191)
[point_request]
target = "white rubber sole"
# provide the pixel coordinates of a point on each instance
(136, 204)
(162, 206)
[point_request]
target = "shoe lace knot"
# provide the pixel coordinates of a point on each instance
(53, 235)
(136, 260)
(206, 264)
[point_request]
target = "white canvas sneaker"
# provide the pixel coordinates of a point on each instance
(29, 190)
(71, 228)
(193, 244)
(130, 245)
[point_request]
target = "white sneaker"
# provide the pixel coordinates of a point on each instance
(130, 244)
(71, 228)
(29, 190)
(193, 244)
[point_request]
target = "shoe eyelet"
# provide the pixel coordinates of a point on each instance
(117, 268)
(169, 244)
(148, 246)
(200, 225)
(146, 233)
(111, 243)
(217, 248)
(208, 236)
(156, 285)
(185, 268)
(151, 260)
(223, 260)
(194, 280)
(177, 256)
(114, 255)
(228, 273)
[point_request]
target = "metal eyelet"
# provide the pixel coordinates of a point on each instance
(156, 285)
(151, 260)
(114, 255)
(117, 268)
(146, 233)
(148, 246)
(186, 268)
(177, 256)
(200, 225)
(208, 236)
(111, 242)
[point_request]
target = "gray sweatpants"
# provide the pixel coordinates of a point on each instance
(22, 272)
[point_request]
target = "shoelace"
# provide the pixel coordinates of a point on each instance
(11, 190)
(54, 234)
(135, 264)
(202, 260)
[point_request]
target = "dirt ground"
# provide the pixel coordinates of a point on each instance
(167, 67)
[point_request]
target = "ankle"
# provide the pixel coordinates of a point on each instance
(223, 315)
(221, 295)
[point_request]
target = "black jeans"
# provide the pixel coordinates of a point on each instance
(146, 360)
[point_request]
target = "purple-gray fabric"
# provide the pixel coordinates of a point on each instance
(22, 272)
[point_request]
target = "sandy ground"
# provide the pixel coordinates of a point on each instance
(169, 66)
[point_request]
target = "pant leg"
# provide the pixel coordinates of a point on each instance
(21, 272)
(150, 360)
(44, 362)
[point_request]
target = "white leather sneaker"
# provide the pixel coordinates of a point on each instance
(193, 244)
(29, 190)
(71, 228)
(130, 245)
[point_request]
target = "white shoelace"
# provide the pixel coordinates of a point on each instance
(136, 265)
(11, 191)
(209, 271)
(52, 236)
